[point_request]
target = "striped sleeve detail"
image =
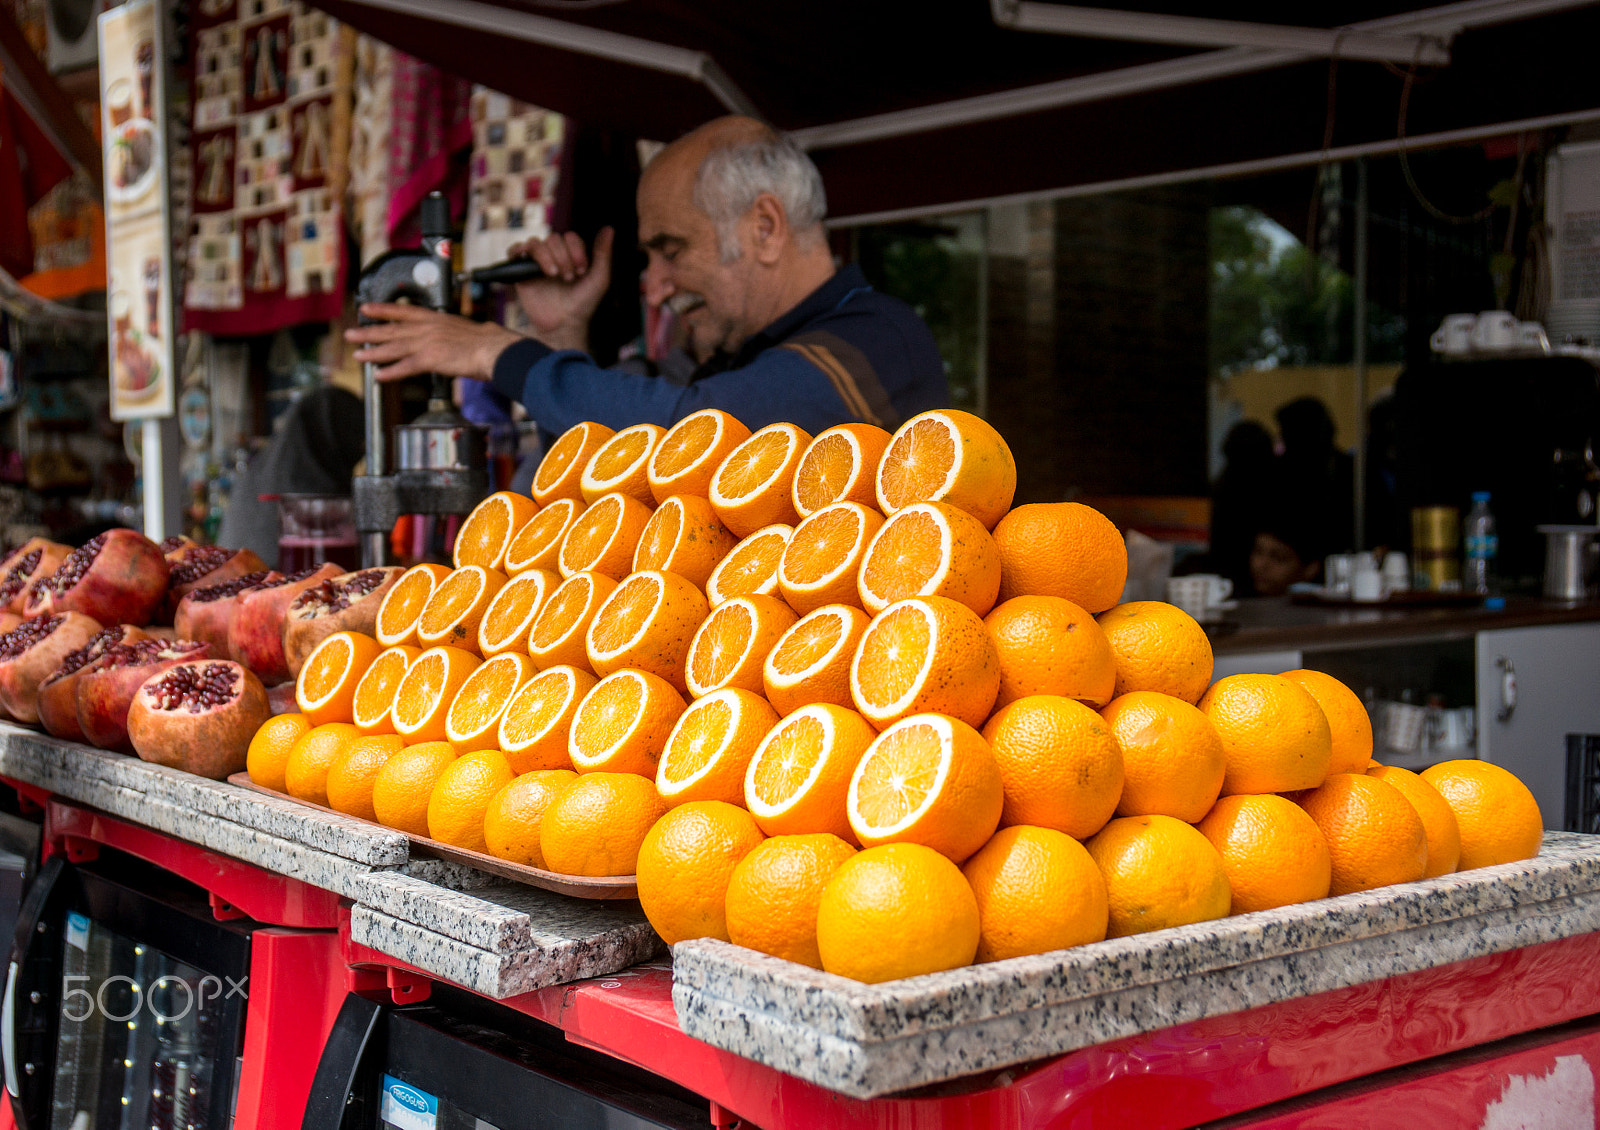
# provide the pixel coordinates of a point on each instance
(857, 385)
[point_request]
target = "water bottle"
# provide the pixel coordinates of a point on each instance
(1482, 546)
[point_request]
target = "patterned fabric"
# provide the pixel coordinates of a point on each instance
(371, 116)
(516, 166)
(266, 246)
(428, 136)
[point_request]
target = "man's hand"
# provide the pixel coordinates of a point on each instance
(413, 339)
(561, 304)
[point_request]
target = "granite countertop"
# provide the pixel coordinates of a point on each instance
(1278, 623)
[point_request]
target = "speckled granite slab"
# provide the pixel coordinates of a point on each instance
(869, 1040)
(586, 940)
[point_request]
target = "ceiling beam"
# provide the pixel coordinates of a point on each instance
(1196, 31)
(28, 81)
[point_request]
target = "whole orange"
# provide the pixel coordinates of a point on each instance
(896, 910)
(1172, 759)
(1498, 817)
(1037, 890)
(511, 822)
(1274, 734)
(1348, 721)
(461, 796)
(1158, 647)
(350, 779)
(1048, 645)
(774, 892)
(596, 824)
(1159, 872)
(1272, 851)
(1438, 818)
(268, 756)
(1062, 549)
(685, 864)
(1375, 836)
(1060, 766)
(402, 787)
(305, 774)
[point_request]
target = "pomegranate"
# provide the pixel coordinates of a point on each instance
(118, 577)
(347, 603)
(37, 558)
(174, 542)
(281, 700)
(204, 613)
(105, 692)
(58, 694)
(195, 566)
(34, 649)
(199, 716)
(9, 621)
(255, 636)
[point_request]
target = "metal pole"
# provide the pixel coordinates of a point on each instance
(1360, 485)
(374, 546)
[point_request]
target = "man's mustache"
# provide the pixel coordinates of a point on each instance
(683, 302)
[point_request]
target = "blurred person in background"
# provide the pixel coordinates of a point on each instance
(1318, 479)
(1239, 501)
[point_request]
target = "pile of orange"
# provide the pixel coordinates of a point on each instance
(834, 699)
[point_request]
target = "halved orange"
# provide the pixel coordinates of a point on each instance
(561, 470)
(691, 451)
(403, 604)
(647, 623)
(422, 701)
(327, 682)
(840, 465)
(603, 537)
(374, 696)
(473, 720)
(561, 629)
(799, 780)
(824, 556)
(456, 608)
(751, 567)
(931, 780)
(948, 456)
(510, 615)
(490, 528)
(623, 723)
(751, 487)
(811, 662)
(931, 549)
(538, 719)
(683, 537)
(538, 545)
(711, 746)
(732, 643)
(928, 653)
(623, 464)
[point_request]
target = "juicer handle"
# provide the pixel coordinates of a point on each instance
(337, 1089)
(30, 1059)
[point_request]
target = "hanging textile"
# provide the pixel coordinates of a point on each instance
(429, 138)
(266, 239)
(516, 168)
(29, 168)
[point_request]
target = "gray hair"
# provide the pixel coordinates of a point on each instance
(732, 176)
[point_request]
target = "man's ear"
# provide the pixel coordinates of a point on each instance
(769, 229)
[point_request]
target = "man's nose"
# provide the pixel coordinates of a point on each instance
(657, 284)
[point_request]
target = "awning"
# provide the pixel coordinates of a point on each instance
(911, 107)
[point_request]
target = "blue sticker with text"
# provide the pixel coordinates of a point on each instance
(406, 1108)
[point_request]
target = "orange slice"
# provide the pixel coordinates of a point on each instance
(710, 748)
(751, 487)
(751, 567)
(840, 465)
(647, 623)
(538, 719)
(929, 780)
(623, 723)
(799, 779)
(824, 555)
(456, 608)
(732, 643)
(473, 720)
(811, 662)
(623, 464)
(510, 615)
(538, 544)
(327, 683)
(691, 451)
(422, 701)
(561, 470)
(374, 696)
(490, 528)
(561, 628)
(603, 537)
(403, 604)
(683, 537)
(931, 549)
(948, 456)
(928, 653)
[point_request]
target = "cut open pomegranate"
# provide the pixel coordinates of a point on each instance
(255, 636)
(205, 613)
(31, 651)
(105, 693)
(58, 694)
(346, 603)
(118, 577)
(198, 716)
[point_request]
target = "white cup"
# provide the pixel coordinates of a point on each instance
(1531, 335)
(1495, 331)
(1456, 728)
(1402, 726)
(1199, 594)
(1396, 572)
(1366, 585)
(1454, 335)
(1336, 572)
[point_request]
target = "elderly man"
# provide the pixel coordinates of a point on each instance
(730, 217)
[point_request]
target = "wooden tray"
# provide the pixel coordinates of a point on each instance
(578, 886)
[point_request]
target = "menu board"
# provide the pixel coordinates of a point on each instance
(138, 237)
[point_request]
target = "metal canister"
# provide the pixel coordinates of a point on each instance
(1436, 549)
